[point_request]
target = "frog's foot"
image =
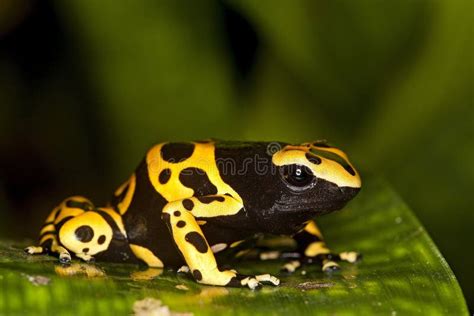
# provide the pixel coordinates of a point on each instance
(64, 255)
(184, 269)
(312, 248)
(253, 282)
(327, 261)
(35, 250)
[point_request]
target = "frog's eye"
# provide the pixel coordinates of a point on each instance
(298, 176)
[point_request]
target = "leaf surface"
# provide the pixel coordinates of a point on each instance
(402, 272)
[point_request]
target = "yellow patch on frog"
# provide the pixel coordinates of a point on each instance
(93, 221)
(329, 265)
(60, 212)
(116, 217)
(45, 238)
(52, 215)
(47, 228)
(216, 208)
(65, 211)
(125, 203)
(147, 256)
(316, 248)
(194, 247)
(328, 169)
(47, 232)
(313, 229)
(203, 157)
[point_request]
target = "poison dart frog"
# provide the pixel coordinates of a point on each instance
(188, 201)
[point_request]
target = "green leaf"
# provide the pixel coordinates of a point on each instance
(402, 273)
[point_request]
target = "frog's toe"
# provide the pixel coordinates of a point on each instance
(184, 269)
(351, 256)
(268, 279)
(269, 255)
(244, 281)
(64, 257)
(291, 266)
(330, 266)
(34, 250)
(253, 282)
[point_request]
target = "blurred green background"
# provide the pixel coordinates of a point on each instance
(87, 86)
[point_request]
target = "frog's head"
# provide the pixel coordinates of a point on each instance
(311, 179)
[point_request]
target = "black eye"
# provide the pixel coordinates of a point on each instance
(298, 176)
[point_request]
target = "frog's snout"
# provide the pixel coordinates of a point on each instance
(348, 193)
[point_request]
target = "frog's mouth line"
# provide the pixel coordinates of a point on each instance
(310, 208)
(289, 206)
(292, 211)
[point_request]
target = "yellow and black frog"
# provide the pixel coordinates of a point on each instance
(186, 202)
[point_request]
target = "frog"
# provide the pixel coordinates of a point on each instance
(188, 202)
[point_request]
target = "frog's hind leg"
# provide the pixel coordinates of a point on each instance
(49, 240)
(312, 248)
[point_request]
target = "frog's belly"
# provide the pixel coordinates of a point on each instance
(147, 229)
(151, 232)
(216, 234)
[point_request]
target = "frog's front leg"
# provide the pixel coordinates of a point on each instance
(311, 247)
(190, 240)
